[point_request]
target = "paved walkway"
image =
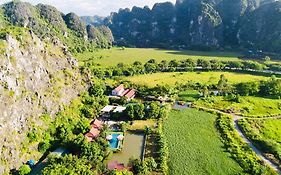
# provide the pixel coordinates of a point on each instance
(249, 142)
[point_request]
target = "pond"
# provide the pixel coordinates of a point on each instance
(133, 146)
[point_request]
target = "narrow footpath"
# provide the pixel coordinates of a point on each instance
(250, 143)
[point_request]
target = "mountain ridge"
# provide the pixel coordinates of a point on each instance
(204, 24)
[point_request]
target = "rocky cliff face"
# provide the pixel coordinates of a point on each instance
(200, 24)
(262, 28)
(36, 77)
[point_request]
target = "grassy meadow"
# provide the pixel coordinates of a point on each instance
(114, 56)
(248, 106)
(266, 134)
(171, 78)
(194, 145)
(267, 128)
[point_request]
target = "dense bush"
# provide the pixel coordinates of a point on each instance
(151, 110)
(162, 149)
(265, 88)
(68, 164)
(24, 170)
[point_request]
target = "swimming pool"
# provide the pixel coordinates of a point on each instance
(114, 142)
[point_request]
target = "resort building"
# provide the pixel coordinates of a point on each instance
(120, 91)
(112, 109)
(131, 94)
(94, 132)
(97, 124)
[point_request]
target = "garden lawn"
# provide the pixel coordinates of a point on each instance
(171, 78)
(141, 124)
(194, 145)
(248, 106)
(114, 56)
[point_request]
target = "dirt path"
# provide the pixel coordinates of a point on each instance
(249, 142)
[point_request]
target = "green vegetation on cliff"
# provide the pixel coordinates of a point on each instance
(47, 22)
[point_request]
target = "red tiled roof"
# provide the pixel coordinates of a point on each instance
(89, 137)
(131, 93)
(97, 124)
(119, 88)
(125, 92)
(95, 132)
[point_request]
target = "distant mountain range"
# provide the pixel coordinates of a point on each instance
(93, 20)
(201, 24)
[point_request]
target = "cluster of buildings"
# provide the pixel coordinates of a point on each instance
(97, 125)
(120, 91)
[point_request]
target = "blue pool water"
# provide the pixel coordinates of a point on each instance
(114, 141)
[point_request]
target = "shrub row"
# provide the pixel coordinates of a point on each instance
(162, 149)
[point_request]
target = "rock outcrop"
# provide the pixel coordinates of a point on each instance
(47, 21)
(36, 77)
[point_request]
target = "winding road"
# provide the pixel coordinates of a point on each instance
(249, 142)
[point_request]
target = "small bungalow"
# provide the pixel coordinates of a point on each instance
(93, 133)
(131, 94)
(119, 109)
(107, 109)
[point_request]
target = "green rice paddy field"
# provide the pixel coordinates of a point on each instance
(171, 78)
(129, 55)
(194, 145)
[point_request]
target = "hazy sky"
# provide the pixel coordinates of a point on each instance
(93, 7)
